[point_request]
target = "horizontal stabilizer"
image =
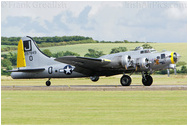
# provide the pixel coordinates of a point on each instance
(27, 70)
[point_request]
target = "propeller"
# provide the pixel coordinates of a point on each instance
(175, 70)
(175, 57)
(168, 72)
(127, 62)
(147, 63)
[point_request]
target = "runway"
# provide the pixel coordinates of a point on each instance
(97, 87)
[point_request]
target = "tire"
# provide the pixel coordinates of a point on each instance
(94, 78)
(125, 80)
(48, 83)
(148, 81)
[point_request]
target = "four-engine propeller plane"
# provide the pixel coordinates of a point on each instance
(33, 63)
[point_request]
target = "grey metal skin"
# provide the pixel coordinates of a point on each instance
(164, 63)
(38, 65)
(40, 60)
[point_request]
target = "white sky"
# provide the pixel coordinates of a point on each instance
(109, 21)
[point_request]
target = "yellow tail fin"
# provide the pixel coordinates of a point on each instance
(20, 55)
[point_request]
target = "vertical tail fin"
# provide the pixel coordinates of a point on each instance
(29, 55)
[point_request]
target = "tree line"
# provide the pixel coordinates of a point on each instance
(39, 40)
(56, 41)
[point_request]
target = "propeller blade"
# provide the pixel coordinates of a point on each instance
(168, 71)
(175, 71)
(125, 67)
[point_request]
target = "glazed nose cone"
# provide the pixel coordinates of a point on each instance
(178, 56)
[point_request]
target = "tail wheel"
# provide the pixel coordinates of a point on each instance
(48, 83)
(147, 81)
(125, 80)
(94, 78)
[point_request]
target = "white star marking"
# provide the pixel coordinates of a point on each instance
(68, 70)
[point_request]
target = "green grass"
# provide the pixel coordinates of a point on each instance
(4, 46)
(82, 49)
(95, 107)
(114, 80)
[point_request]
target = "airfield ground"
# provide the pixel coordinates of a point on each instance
(30, 102)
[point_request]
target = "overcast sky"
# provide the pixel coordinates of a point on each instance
(109, 21)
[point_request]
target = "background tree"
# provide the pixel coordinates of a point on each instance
(47, 52)
(126, 41)
(13, 58)
(6, 63)
(58, 54)
(93, 53)
(9, 68)
(183, 69)
(117, 50)
(69, 53)
(147, 46)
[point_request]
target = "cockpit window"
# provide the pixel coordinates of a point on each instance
(145, 51)
(153, 50)
(162, 56)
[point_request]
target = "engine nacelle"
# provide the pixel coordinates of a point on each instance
(143, 63)
(127, 62)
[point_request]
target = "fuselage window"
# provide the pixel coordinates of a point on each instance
(146, 51)
(162, 56)
(153, 50)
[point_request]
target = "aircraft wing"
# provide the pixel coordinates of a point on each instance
(94, 64)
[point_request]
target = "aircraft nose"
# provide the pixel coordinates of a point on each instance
(178, 56)
(174, 57)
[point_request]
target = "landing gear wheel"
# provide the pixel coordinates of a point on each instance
(94, 78)
(148, 81)
(125, 80)
(48, 83)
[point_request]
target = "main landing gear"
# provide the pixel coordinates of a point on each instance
(48, 83)
(125, 80)
(147, 80)
(94, 78)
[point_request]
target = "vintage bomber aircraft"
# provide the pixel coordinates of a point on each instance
(32, 63)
